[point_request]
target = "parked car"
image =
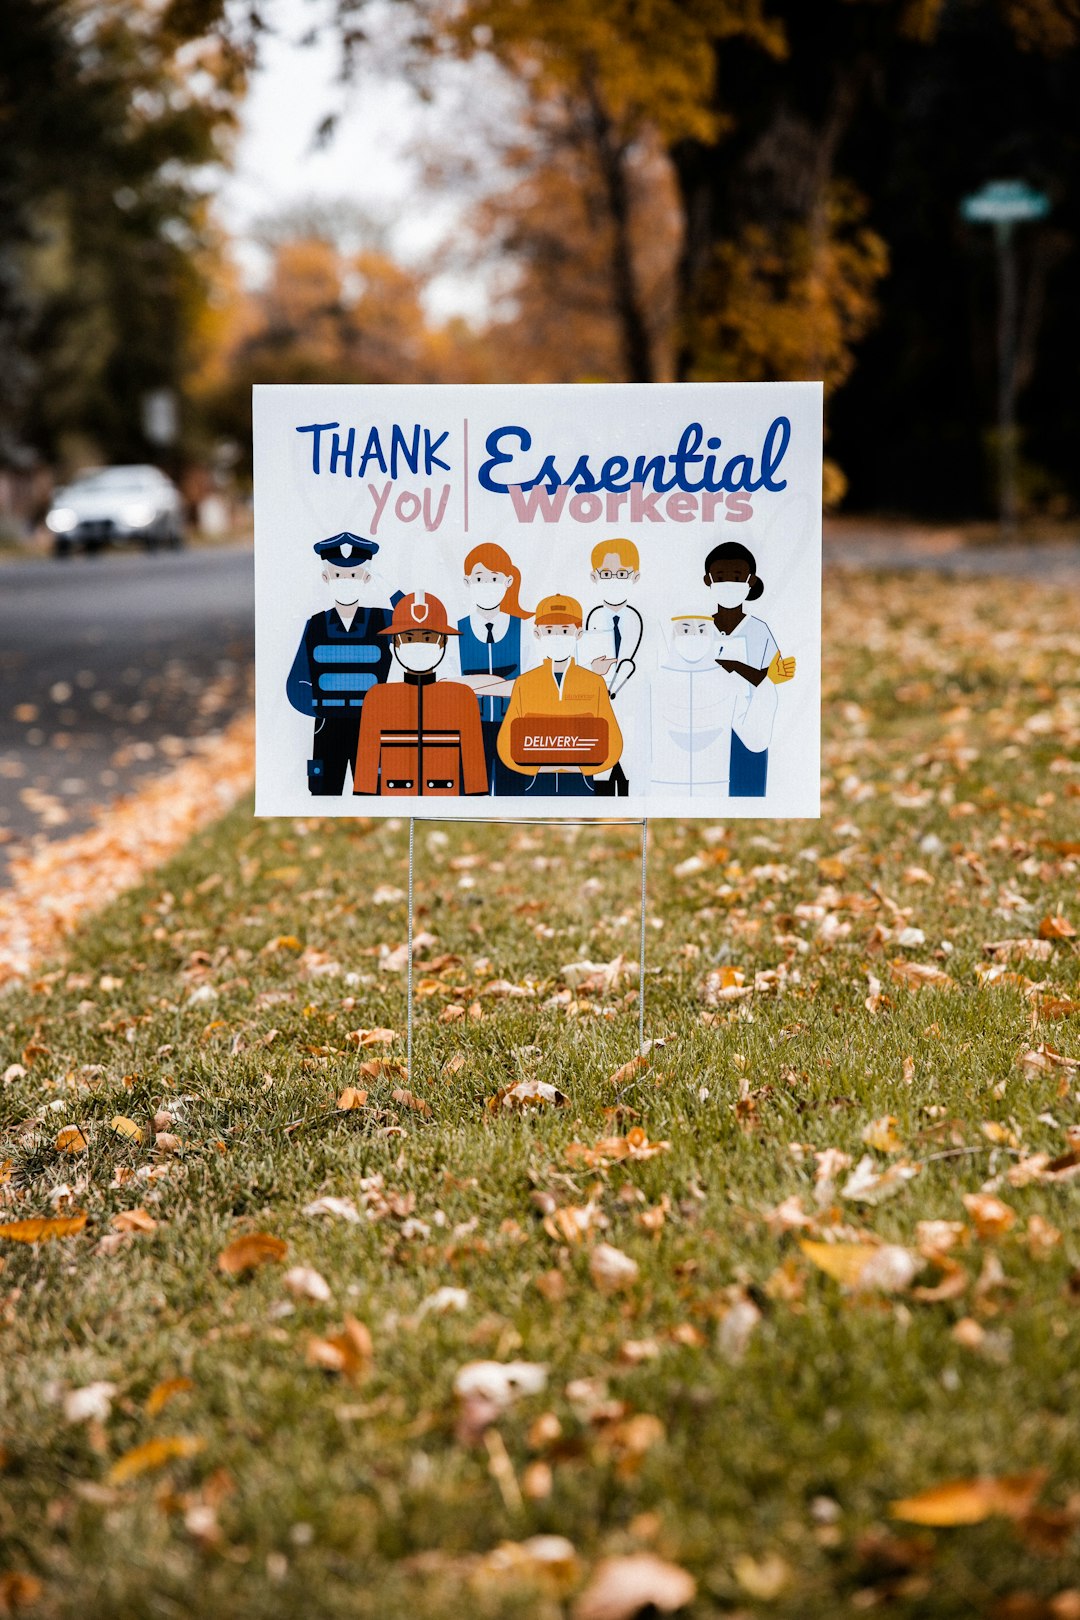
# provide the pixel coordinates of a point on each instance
(125, 505)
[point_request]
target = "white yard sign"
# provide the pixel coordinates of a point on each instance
(560, 600)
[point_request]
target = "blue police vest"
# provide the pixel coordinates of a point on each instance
(344, 664)
(502, 658)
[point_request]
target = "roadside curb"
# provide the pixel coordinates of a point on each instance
(57, 885)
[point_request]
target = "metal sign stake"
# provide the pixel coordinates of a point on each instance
(515, 822)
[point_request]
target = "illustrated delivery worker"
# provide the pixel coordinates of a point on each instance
(559, 728)
(420, 736)
(342, 655)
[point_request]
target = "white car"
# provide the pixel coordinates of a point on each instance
(128, 505)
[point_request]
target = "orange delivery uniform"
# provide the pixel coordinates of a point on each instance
(422, 736)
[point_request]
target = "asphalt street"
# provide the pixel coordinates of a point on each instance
(111, 669)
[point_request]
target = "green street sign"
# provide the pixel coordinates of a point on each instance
(1005, 202)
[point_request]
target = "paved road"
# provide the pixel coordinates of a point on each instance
(111, 668)
(1048, 561)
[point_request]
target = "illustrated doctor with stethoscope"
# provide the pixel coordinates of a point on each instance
(613, 631)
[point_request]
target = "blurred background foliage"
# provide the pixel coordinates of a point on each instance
(686, 189)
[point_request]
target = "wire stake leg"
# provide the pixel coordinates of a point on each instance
(409, 966)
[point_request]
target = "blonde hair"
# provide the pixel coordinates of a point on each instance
(625, 550)
(497, 560)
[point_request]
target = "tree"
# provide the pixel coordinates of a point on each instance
(111, 114)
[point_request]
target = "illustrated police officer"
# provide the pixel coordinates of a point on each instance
(343, 653)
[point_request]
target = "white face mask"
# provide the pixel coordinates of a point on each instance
(419, 656)
(558, 647)
(730, 595)
(616, 592)
(487, 598)
(694, 649)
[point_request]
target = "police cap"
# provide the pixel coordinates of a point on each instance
(346, 550)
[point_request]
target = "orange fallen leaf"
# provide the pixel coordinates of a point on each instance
(1056, 928)
(134, 1220)
(886, 1266)
(70, 1140)
(628, 1070)
(162, 1394)
(409, 1099)
(127, 1128)
(351, 1098)
(920, 975)
(970, 1501)
(40, 1228)
(992, 1218)
(153, 1454)
(250, 1251)
(18, 1591)
(349, 1352)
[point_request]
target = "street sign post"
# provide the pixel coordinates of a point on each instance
(1004, 204)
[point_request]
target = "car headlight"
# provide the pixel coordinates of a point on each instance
(139, 515)
(62, 519)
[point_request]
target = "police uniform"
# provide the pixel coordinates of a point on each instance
(420, 737)
(335, 666)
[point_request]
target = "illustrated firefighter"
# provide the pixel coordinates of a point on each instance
(420, 736)
(559, 729)
(343, 654)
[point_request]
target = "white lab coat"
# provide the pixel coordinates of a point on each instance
(693, 710)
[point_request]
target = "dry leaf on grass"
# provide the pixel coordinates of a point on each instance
(991, 1218)
(153, 1454)
(869, 1185)
(18, 1591)
(134, 1220)
(621, 1588)
(249, 1252)
(549, 1561)
(41, 1228)
(304, 1282)
(91, 1402)
(161, 1394)
(526, 1094)
(628, 1070)
(881, 1135)
(409, 1099)
(342, 1209)
(71, 1140)
(612, 1270)
(351, 1098)
(920, 975)
(121, 1126)
(725, 984)
(634, 1146)
(970, 1501)
(864, 1267)
(1056, 928)
(349, 1352)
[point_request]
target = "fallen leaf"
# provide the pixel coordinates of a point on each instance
(621, 1588)
(881, 1135)
(120, 1125)
(763, 1578)
(351, 1098)
(152, 1454)
(349, 1352)
(249, 1252)
(612, 1270)
(863, 1266)
(161, 1394)
(970, 1501)
(725, 984)
(40, 1228)
(869, 1185)
(920, 975)
(549, 1561)
(1056, 928)
(526, 1094)
(628, 1070)
(991, 1217)
(343, 1209)
(70, 1140)
(93, 1401)
(304, 1282)
(134, 1220)
(408, 1099)
(18, 1591)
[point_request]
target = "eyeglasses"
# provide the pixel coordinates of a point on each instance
(616, 573)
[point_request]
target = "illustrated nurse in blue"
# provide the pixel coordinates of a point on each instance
(747, 649)
(490, 650)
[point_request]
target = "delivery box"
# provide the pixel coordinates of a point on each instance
(543, 739)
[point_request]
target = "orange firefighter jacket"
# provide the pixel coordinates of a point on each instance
(420, 737)
(582, 692)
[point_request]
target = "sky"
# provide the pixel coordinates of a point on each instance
(371, 160)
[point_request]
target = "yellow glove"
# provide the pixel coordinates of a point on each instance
(781, 670)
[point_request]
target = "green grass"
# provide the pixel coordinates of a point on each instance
(771, 1475)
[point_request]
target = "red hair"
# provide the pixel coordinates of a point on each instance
(497, 561)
